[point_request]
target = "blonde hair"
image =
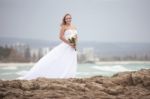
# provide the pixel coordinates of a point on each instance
(63, 20)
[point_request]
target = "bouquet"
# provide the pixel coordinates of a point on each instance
(72, 39)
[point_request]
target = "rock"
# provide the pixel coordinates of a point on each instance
(12, 84)
(115, 90)
(123, 78)
(123, 85)
(141, 77)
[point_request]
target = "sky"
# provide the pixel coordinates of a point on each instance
(96, 20)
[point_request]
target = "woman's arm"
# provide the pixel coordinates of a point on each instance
(61, 35)
(76, 34)
(76, 38)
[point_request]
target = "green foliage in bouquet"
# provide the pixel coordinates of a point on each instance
(73, 41)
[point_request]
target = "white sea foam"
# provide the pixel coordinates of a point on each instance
(83, 73)
(115, 68)
(9, 67)
(22, 72)
(16, 64)
(7, 73)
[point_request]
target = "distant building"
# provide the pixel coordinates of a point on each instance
(45, 50)
(20, 47)
(36, 54)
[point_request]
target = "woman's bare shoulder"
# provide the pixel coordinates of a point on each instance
(63, 27)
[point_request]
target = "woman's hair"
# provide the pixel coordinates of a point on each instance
(63, 20)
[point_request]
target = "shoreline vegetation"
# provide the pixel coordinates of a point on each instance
(123, 85)
(100, 62)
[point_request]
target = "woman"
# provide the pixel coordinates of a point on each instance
(61, 61)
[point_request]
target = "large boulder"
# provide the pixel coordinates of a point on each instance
(123, 85)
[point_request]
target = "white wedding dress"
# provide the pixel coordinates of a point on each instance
(60, 62)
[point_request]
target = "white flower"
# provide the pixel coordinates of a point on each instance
(72, 35)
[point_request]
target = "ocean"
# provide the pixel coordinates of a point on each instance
(10, 71)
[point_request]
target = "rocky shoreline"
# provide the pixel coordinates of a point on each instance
(123, 85)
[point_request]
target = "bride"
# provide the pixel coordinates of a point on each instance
(61, 61)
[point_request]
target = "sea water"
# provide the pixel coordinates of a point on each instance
(12, 71)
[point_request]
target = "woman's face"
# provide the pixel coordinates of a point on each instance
(68, 19)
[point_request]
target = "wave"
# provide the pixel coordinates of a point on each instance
(10, 68)
(7, 73)
(22, 72)
(115, 68)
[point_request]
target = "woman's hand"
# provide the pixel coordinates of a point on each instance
(72, 45)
